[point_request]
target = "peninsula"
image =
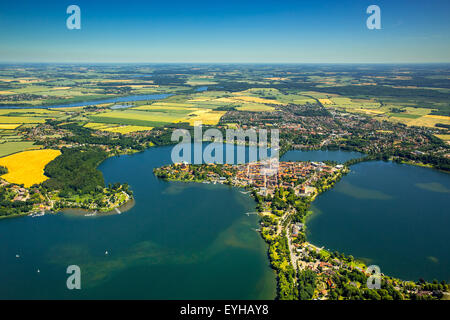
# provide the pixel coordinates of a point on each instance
(303, 270)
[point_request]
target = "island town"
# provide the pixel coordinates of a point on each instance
(283, 193)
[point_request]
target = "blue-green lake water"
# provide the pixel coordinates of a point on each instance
(321, 155)
(179, 241)
(131, 98)
(193, 241)
(393, 215)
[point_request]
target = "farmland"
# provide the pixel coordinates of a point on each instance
(12, 121)
(154, 118)
(444, 137)
(123, 129)
(9, 126)
(7, 148)
(414, 96)
(27, 167)
(411, 116)
(425, 121)
(205, 116)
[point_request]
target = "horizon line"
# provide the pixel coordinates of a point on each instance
(243, 62)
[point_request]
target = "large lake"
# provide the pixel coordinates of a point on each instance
(392, 215)
(180, 241)
(132, 98)
(193, 241)
(321, 155)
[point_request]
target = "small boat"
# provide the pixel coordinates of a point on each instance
(38, 214)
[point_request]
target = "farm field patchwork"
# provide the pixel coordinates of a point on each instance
(124, 129)
(12, 119)
(133, 117)
(271, 94)
(150, 118)
(201, 81)
(410, 116)
(159, 114)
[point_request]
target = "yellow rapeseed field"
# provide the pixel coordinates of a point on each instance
(126, 129)
(425, 121)
(258, 100)
(9, 126)
(27, 167)
(277, 79)
(96, 126)
(206, 116)
(372, 111)
(60, 88)
(445, 137)
(325, 101)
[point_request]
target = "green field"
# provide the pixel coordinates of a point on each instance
(7, 148)
(127, 121)
(404, 115)
(255, 107)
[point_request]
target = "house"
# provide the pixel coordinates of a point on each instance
(295, 230)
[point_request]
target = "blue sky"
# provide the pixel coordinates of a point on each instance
(320, 31)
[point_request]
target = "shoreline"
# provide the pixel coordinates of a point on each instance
(300, 253)
(283, 229)
(87, 102)
(77, 211)
(89, 213)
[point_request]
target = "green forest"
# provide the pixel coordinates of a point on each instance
(75, 171)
